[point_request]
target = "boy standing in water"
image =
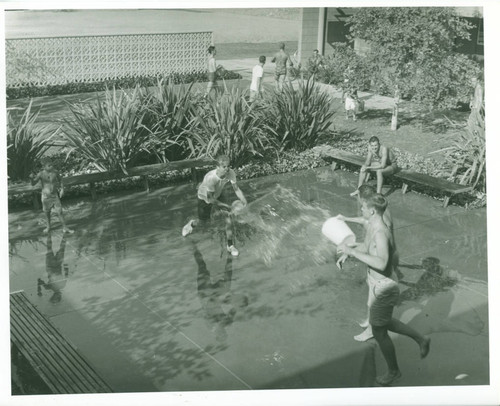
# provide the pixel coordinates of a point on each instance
(376, 252)
(365, 192)
(380, 160)
(52, 191)
(208, 197)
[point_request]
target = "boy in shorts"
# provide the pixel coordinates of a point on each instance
(209, 192)
(376, 252)
(380, 159)
(366, 191)
(52, 191)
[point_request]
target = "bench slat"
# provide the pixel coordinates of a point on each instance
(55, 359)
(49, 346)
(428, 180)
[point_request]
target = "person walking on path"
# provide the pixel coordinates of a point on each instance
(209, 192)
(282, 60)
(376, 252)
(381, 160)
(52, 191)
(257, 76)
(212, 70)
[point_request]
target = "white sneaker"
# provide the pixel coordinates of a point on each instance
(188, 228)
(232, 249)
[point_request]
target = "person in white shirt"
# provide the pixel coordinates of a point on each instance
(209, 193)
(257, 75)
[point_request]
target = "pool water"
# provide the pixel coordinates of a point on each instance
(153, 311)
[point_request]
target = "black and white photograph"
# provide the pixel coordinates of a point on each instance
(216, 203)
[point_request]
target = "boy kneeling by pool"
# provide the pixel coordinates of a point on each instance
(209, 193)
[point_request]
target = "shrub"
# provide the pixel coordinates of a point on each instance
(299, 117)
(109, 133)
(30, 90)
(229, 125)
(27, 142)
(168, 119)
(467, 155)
(336, 64)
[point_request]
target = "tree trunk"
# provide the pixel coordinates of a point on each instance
(395, 109)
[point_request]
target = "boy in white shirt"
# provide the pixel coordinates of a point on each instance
(257, 75)
(209, 192)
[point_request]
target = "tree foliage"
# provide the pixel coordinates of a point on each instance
(415, 49)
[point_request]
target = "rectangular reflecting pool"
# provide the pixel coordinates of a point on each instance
(154, 311)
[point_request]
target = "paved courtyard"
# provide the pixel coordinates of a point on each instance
(154, 311)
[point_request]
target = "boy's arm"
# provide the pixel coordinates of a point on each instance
(239, 193)
(60, 184)
(358, 220)
(34, 179)
(376, 262)
(212, 200)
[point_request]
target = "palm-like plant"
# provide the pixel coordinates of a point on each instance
(27, 142)
(229, 125)
(169, 116)
(109, 133)
(299, 117)
(467, 155)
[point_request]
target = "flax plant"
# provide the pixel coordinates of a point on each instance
(230, 125)
(27, 142)
(299, 116)
(109, 133)
(170, 113)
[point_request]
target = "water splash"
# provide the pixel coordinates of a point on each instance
(281, 225)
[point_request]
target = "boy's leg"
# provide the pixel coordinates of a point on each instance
(389, 170)
(229, 235)
(389, 352)
(399, 327)
(47, 216)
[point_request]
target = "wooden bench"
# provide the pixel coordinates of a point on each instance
(449, 188)
(92, 178)
(58, 363)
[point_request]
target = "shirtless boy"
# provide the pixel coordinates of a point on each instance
(365, 191)
(52, 191)
(208, 197)
(376, 252)
(380, 160)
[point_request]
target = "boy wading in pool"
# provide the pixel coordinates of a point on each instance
(380, 160)
(376, 252)
(366, 191)
(208, 197)
(52, 191)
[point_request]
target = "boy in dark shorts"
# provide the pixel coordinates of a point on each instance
(52, 191)
(376, 252)
(209, 192)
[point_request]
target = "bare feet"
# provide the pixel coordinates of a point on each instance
(425, 347)
(67, 230)
(388, 378)
(46, 230)
(355, 193)
(364, 323)
(365, 335)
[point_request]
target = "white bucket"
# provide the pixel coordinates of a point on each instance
(337, 231)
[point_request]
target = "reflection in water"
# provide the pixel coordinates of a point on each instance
(57, 272)
(215, 294)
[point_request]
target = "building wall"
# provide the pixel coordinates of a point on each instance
(309, 33)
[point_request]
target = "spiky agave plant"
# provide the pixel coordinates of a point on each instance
(169, 116)
(229, 125)
(109, 133)
(27, 142)
(299, 116)
(467, 154)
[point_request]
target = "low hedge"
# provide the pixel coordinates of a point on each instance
(29, 91)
